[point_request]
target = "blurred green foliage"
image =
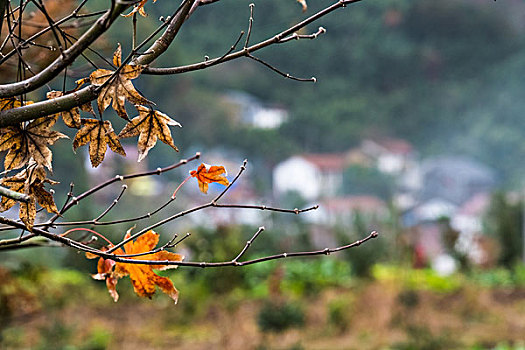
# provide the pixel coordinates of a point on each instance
(366, 256)
(420, 279)
(505, 222)
(500, 277)
(421, 338)
(340, 312)
(278, 316)
(369, 181)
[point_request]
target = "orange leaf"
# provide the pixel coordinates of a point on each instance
(142, 276)
(139, 8)
(207, 174)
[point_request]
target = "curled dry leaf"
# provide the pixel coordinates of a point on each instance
(139, 8)
(142, 276)
(115, 91)
(24, 142)
(105, 272)
(150, 125)
(99, 134)
(206, 174)
(31, 182)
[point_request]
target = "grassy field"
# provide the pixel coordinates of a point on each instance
(394, 309)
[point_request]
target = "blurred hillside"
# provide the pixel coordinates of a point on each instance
(446, 76)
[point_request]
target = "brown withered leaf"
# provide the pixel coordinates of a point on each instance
(15, 183)
(206, 174)
(87, 107)
(99, 134)
(9, 103)
(72, 117)
(142, 276)
(24, 142)
(120, 88)
(30, 181)
(150, 125)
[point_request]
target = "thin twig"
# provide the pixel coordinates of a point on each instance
(286, 75)
(40, 5)
(241, 170)
(75, 200)
(296, 36)
(211, 204)
(115, 201)
(241, 53)
(233, 262)
(250, 24)
(248, 244)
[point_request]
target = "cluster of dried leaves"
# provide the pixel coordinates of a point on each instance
(27, 144)
(27, 151)
(27, 148)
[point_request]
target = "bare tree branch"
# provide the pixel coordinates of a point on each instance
(162, 43)
(273, 40)
(68, 56)
(3, 6)
(48, 107)
(5, 192)
(87, 94)
(234, 261)
(47, 231)
(75, 200)
(286, 75)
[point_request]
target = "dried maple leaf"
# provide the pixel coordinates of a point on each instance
(207, 174)
(9, 103)
(142, 276)
(72, 117)
(15, 183)
(24, 142)
(119, 88)
(139, 8)
(31, 182)
(151, 125)
(99, 134)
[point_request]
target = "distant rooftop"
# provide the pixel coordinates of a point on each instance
(326, 161)
(392, 145)
(363, 203)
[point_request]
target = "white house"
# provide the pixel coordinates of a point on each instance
(311, 175)
(249, 110)
(392, 156)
